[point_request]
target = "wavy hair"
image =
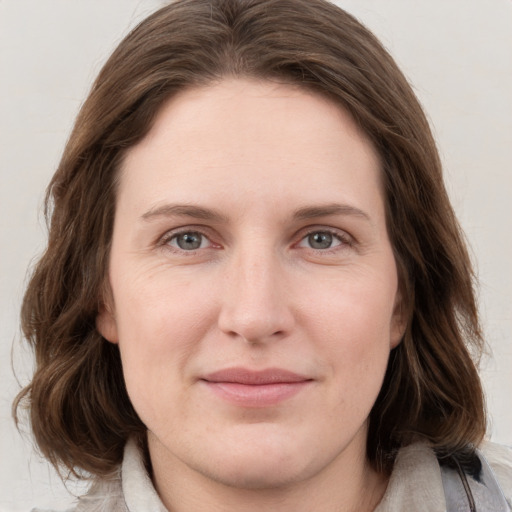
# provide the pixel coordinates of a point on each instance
(79, 409)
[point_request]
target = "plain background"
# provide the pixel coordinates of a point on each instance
(456, 53)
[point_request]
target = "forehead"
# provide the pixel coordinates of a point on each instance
(244, 136)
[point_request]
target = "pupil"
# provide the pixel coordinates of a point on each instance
(189, 241)
(320, 240)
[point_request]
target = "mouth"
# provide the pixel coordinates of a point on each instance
(248, 388)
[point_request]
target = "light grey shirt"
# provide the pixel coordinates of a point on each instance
(415, 484)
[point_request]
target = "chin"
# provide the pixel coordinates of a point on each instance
(264, 463)
(257, 473)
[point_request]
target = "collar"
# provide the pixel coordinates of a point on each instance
(415, 482)
(138, 490)
(416, 479)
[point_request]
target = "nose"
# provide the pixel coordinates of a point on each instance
(256, 301)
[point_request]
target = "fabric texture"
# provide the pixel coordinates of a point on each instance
(415, 485)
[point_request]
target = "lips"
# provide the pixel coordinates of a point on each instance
(262, 388)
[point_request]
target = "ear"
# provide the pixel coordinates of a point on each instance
(398, 321)
(106, 324)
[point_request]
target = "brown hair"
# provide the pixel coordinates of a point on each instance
(80, 412)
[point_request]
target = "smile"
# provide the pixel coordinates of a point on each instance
(246, 388)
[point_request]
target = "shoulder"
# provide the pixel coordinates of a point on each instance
(417, 464)
(129, 488)
(499, 458)
(104, 495)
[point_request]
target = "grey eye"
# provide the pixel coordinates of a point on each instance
(188, 241)
(320, 240)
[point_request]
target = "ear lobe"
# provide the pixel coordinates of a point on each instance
(106, 324)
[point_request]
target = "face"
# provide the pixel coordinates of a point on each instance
(254, 288)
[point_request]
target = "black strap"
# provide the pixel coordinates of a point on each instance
(464, 493)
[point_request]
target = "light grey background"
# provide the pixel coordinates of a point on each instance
(458, 56)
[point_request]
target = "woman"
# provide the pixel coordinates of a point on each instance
(255, 293)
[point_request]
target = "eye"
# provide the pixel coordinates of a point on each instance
(188, 241)
(322, 240)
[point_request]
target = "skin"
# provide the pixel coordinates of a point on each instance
(277, 166)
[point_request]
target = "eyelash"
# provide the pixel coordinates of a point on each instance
(166, 239)
(344, 239)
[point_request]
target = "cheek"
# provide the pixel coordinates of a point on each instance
(159, 311)
(352, 326)
(161, 325)
(353, 307)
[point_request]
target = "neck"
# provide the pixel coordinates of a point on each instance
(347, 484)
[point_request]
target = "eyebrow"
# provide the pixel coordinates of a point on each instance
(305, 213)
(312, 212)
(183, 210)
